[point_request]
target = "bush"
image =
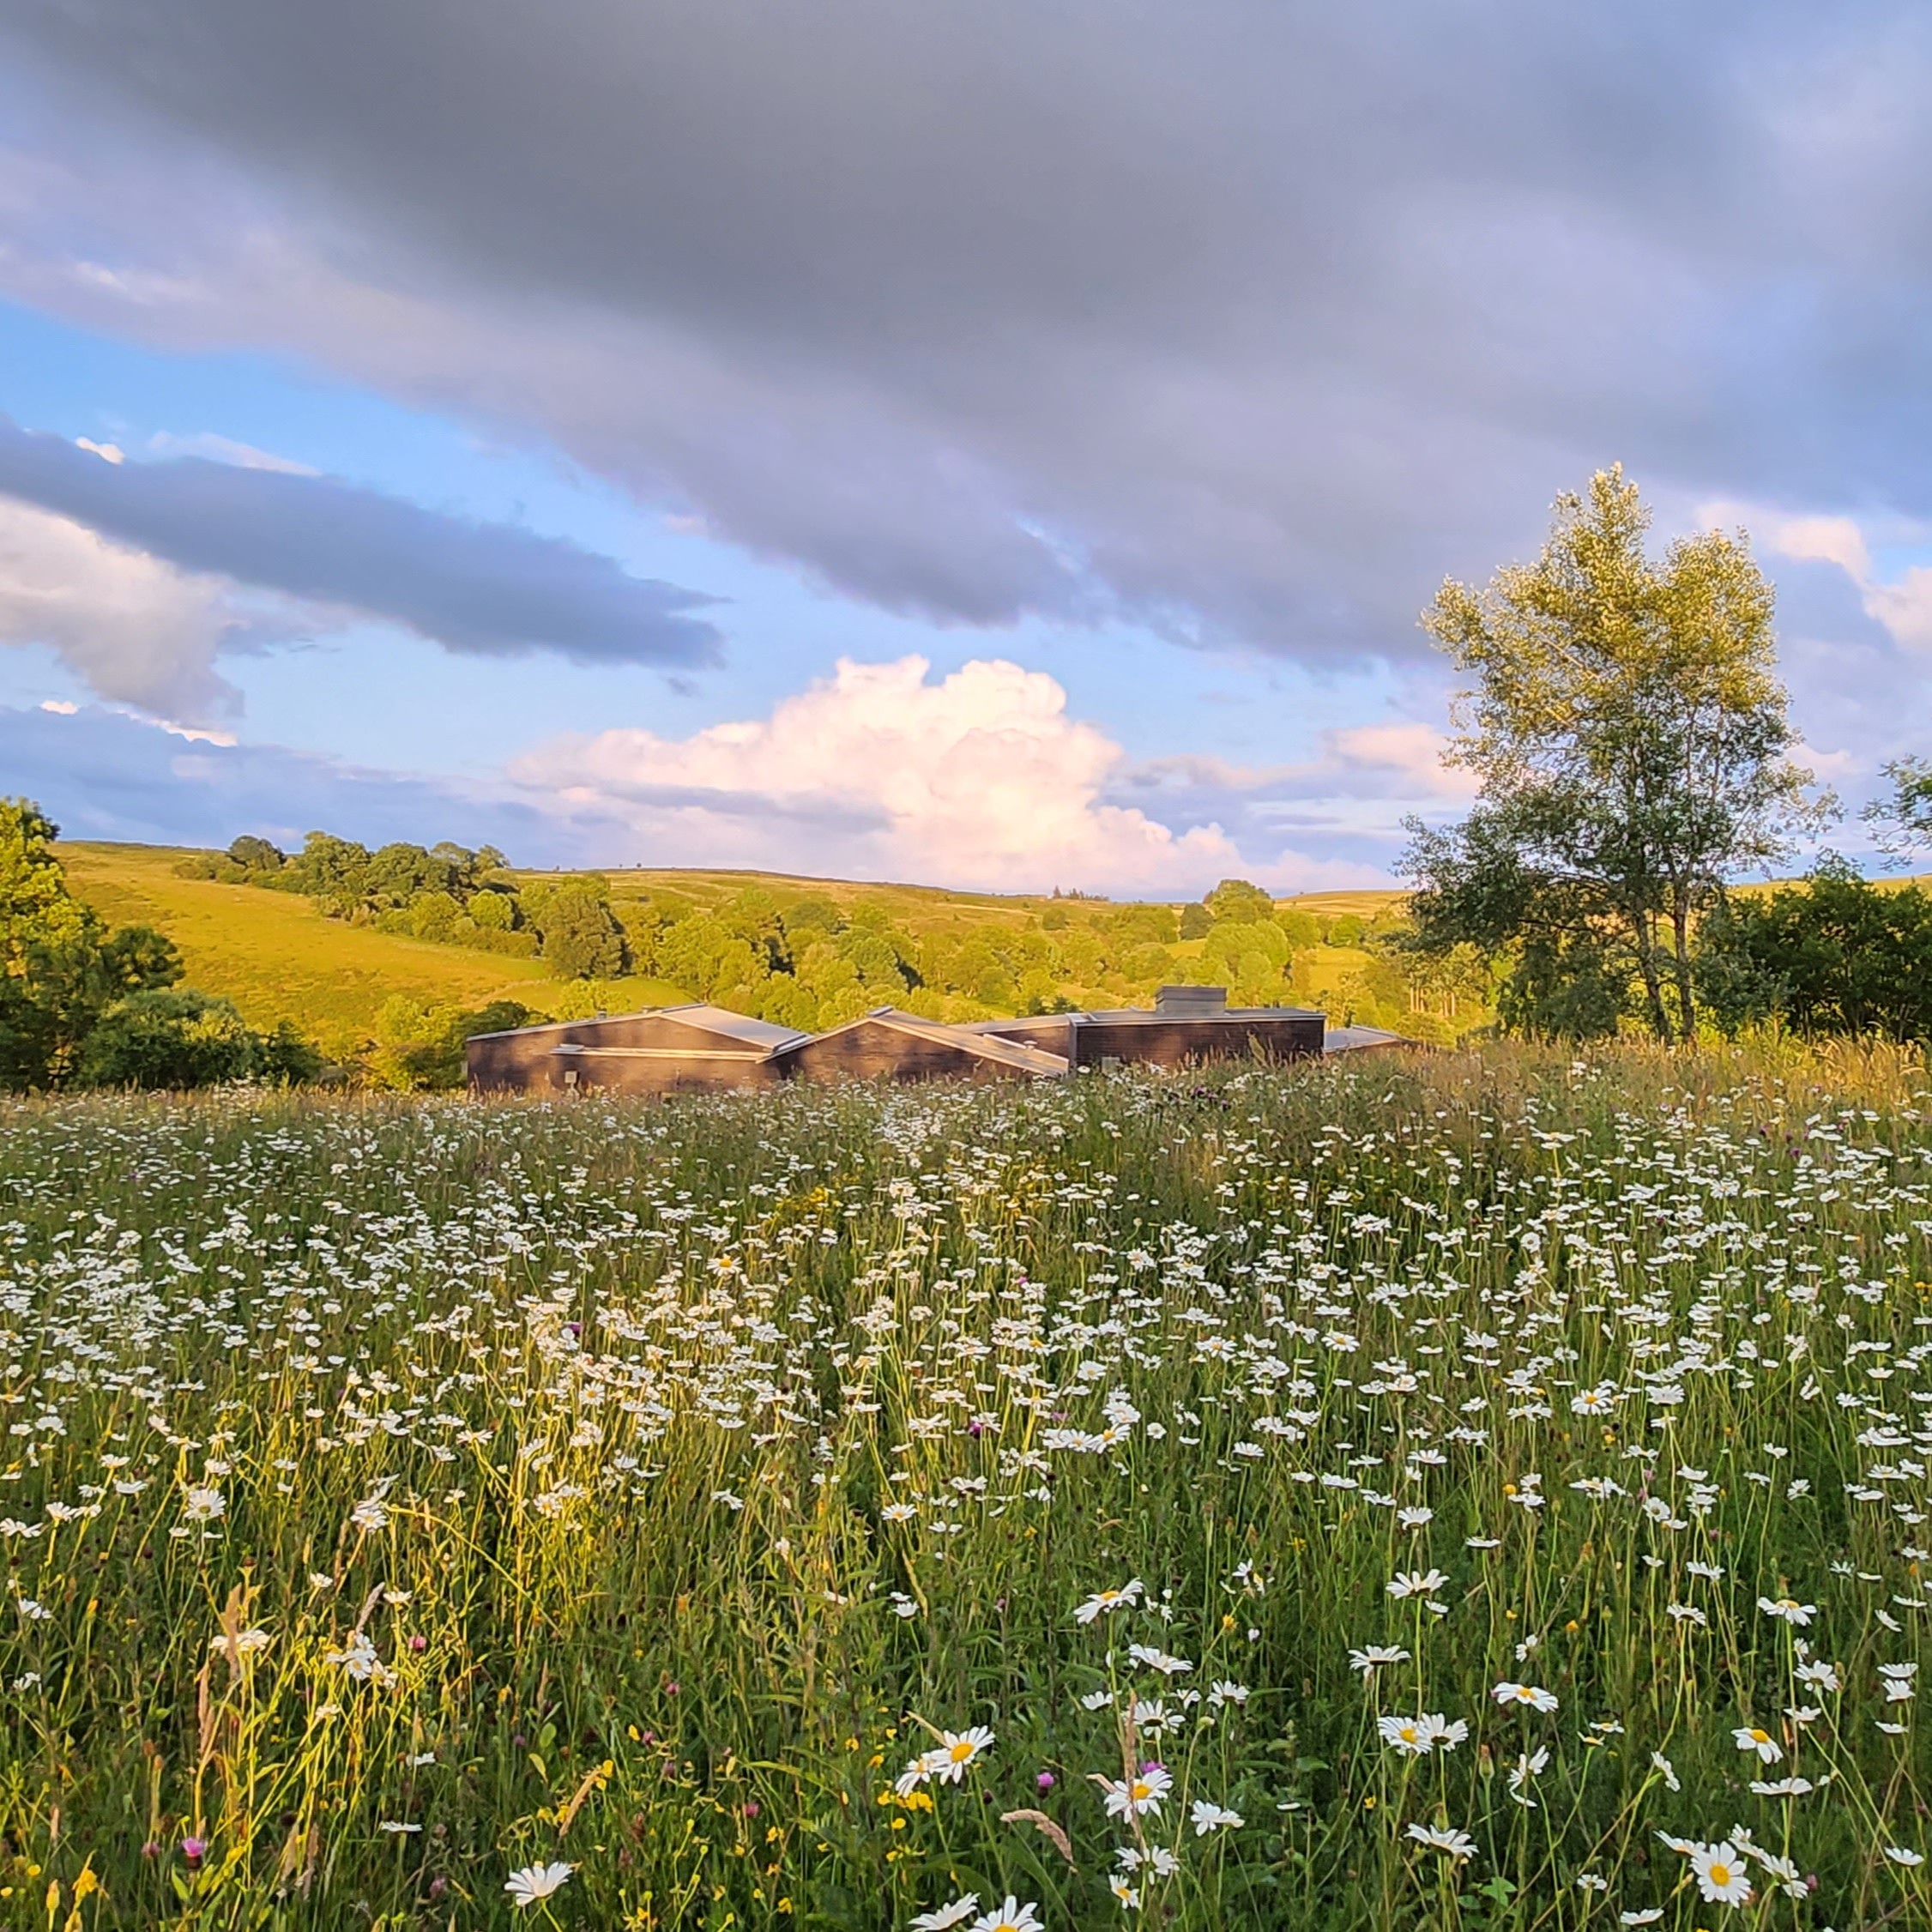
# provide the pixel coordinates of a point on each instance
(170, 1039)
(1835, 955)
(420, 1049)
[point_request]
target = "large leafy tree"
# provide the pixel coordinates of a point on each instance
(60, 968)
(1627, 722)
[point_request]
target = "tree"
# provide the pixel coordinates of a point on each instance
(170, 1040)
(1902, 823)
(1835, 955)
(256, 854)
(581, 938)
(60, 968)
(1630, 732)
(420, 1049)
(1235, 898)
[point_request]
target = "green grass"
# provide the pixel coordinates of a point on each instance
(646, 1486)
(276, 957)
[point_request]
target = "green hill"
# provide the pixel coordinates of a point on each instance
(276, 956)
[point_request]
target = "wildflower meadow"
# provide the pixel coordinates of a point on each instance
(1482, 1492)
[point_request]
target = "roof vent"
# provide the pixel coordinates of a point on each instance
(1191, 999)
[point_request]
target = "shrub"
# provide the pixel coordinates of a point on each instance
(169, 1039)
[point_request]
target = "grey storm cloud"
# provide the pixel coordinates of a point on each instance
(1246, 318)
(489, 588)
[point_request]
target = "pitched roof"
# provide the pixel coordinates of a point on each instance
(761, 1034)
(739, 1026)
(1354, 1039)
(1014, 1055)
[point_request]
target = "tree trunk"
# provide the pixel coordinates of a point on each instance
(1653, 982)
(1687, 1002)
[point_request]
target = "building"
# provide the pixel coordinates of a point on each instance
(669, 1050)
(1361, 1039)
(887, 1044)
(1188, 1024)
(702, 1049)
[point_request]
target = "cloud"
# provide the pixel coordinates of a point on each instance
(136, 628)
(1903, 606)
(217, 448)
(488, 588)
(103, 773)
(977, 779)
(1245, 322)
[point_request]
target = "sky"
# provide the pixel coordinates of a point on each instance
(1000, 443)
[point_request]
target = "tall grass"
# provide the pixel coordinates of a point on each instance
(401, 1494)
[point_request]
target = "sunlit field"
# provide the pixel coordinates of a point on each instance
(1480, 1493)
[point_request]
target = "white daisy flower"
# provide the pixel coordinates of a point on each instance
(1720, 1873)
(532, 1882)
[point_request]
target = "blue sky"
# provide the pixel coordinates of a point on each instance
(942, 445)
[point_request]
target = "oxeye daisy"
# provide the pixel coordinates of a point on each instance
(1750, 1738)
(1103, 1603)
(1415, 1583)
(1458, 1845)
(943, 1918)
(1373, 1656)
(1409, 1735)
(1721, 1876)
(956, 1752)
(1137, 1796)
(1214, 1817)
(1008, 1916)
(1524, 1696)
(533, 1882)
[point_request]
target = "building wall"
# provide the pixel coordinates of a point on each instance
(870, 1051)
(652, 1076)
(1052, 1033)
(1160, 1042)
(521, 1059)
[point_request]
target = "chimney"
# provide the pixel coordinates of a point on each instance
(1191, 1002)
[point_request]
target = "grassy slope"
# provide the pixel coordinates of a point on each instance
(276, 957)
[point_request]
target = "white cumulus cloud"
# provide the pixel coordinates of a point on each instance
(1903, 606)
(136, 628)
(978, 778)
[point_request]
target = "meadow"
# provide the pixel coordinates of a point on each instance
(1449, 1492)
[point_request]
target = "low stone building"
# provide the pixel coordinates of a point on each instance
(700, 1048)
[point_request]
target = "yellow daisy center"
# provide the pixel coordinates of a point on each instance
(1720, 1875)
(1760, 1737)
(962, 1751)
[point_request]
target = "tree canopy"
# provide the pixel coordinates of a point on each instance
(1626, 722)
(81, 1005)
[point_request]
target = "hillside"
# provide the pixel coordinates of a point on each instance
(277, 956)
